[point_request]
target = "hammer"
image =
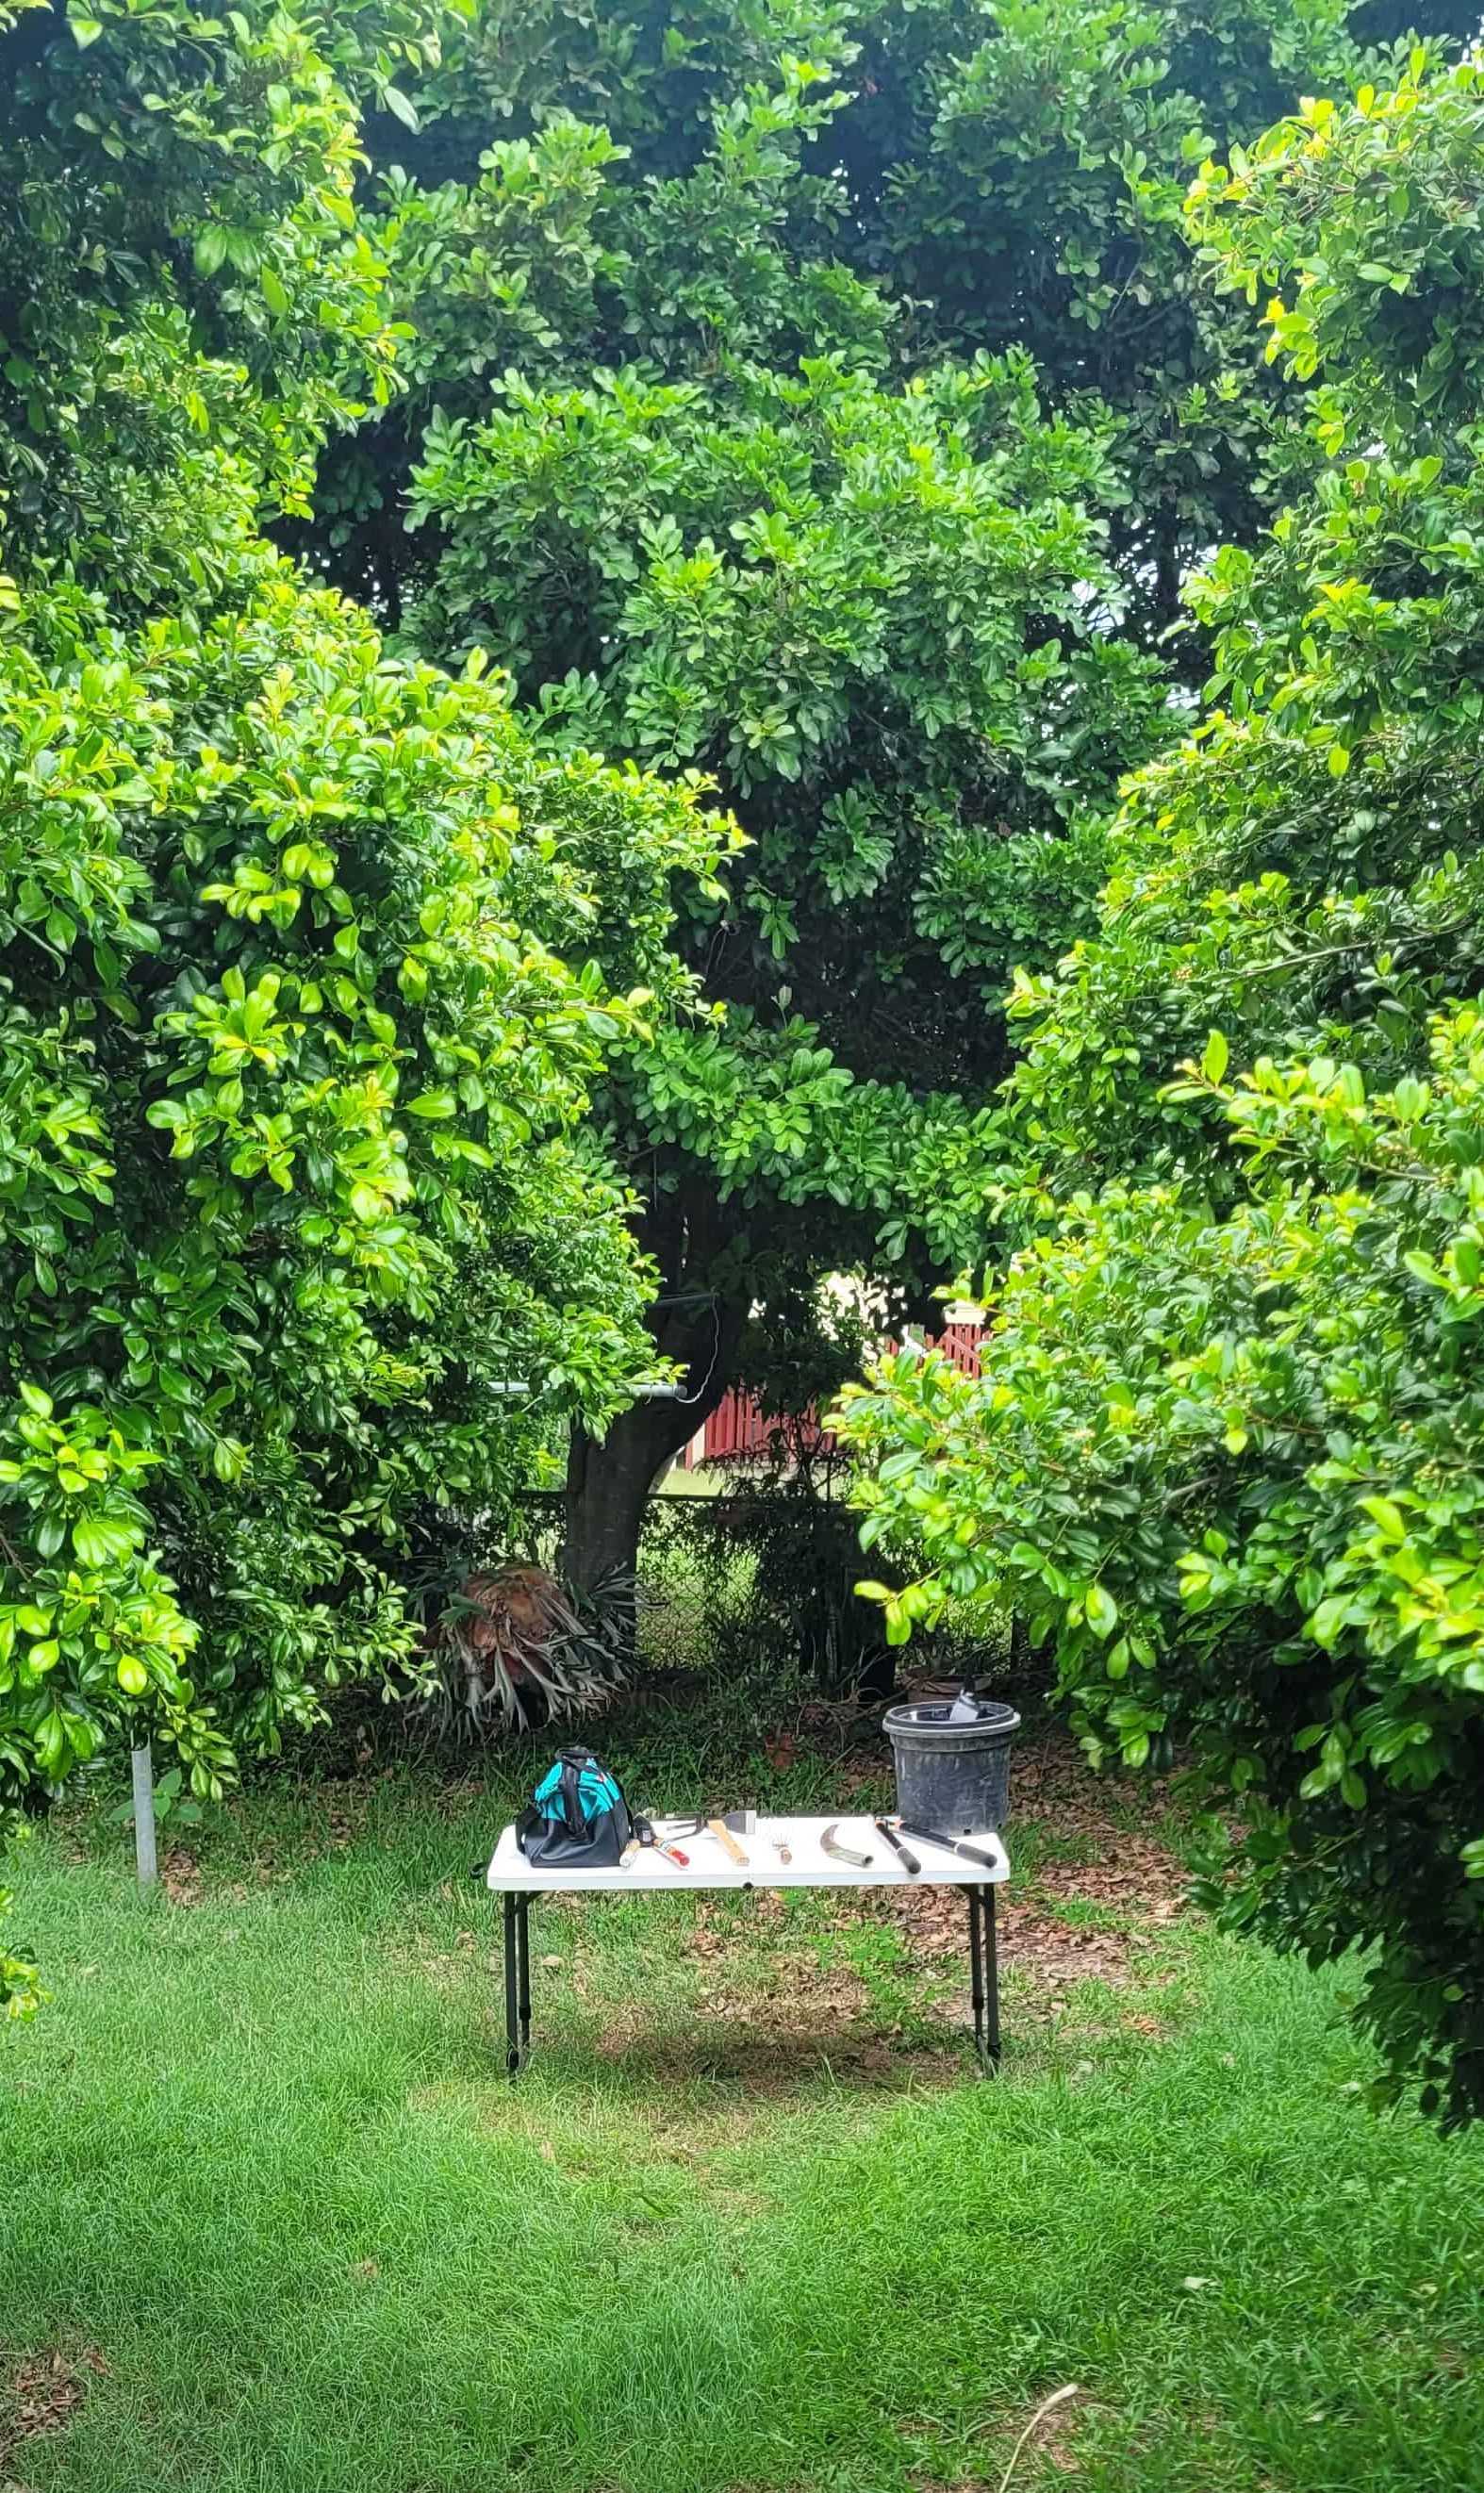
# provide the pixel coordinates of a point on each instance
(737, 1821)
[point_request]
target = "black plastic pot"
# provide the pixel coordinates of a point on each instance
(953, 1774)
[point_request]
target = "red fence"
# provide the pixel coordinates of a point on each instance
(739, 1425)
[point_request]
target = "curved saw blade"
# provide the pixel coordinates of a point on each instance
(829, 1842)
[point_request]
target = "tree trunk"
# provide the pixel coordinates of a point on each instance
(608, 1479)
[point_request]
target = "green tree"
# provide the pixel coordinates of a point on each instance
(293, 1074)
(636, 184)
(720, 434)
(887, 664)
(878, 617)
(1228, 1450)
(186, 302)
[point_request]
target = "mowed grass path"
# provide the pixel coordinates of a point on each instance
(260, 2158)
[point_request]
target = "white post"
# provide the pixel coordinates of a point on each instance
(145, 1859)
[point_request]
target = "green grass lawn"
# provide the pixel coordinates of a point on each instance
(749, 2224)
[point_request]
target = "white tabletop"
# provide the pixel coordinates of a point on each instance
(710, 1866)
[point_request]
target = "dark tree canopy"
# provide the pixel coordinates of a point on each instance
(1000, 176)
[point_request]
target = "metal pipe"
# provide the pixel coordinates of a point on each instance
(646, 1389)
(147, 1857)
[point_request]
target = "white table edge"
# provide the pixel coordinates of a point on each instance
(651, 1873)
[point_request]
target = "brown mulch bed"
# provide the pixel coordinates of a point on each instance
(1133, 1883)
(1095, 1916)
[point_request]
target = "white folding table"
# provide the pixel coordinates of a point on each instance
(651, 1873)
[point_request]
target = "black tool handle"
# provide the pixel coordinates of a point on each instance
(951, 1844)
(908, 1860)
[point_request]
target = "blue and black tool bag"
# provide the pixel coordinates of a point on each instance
(579, 1818)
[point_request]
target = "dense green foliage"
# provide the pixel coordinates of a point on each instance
(185, 300)
(272, 1007)
(675, 183)
(291, 1068)
(721, 435)
(886, 650)
(1229, 1447)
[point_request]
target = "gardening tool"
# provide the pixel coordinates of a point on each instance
(837, 1851)
(951, 1844)
(908, 1860)
(781, 1847)
(737, 1821)
(644, 1839)
(661, 1844)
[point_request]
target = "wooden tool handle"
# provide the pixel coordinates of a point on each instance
(727, 1840)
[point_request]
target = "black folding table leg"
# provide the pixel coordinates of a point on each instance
(512, 1985)
(991, 1970)
(524, 1953)
(976, 1969)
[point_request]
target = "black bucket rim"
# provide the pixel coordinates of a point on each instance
(928, 1722)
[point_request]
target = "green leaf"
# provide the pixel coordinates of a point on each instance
(1214, 1060)
(85, 30)
(1101, 1611)
(395, 101)
(93, 1542)
(210, 249)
